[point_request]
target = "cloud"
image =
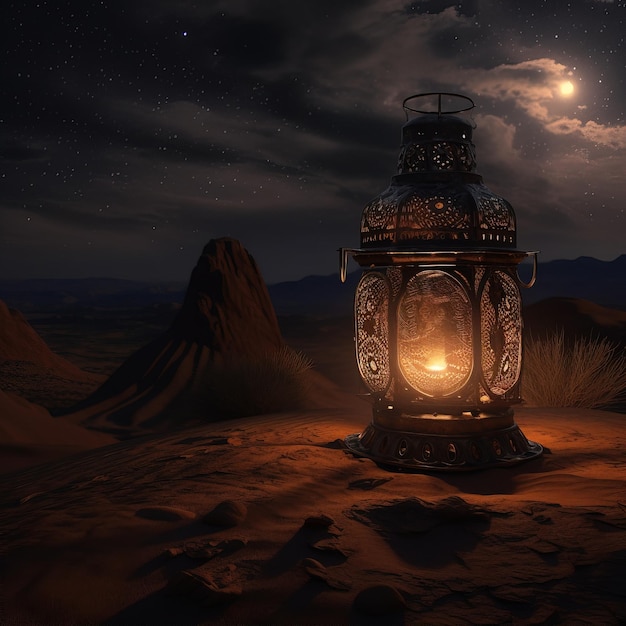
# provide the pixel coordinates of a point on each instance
(202, 119)
(530, 85)
(533, 87)
(609, 136)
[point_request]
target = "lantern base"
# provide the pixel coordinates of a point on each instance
(457, 445)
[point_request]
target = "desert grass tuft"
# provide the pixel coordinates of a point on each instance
(586, 372)
(269, 383)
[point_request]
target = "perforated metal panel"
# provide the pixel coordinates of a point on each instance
(372, 331)
(501, 332)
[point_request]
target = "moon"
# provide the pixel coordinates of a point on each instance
(566, 88)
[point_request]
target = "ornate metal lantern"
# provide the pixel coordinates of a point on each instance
(438, 326)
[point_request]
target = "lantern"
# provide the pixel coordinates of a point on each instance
(438, 312)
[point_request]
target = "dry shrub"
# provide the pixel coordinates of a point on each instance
(587, 372)
(276, 381)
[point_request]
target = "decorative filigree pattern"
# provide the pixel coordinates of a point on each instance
(372, 331)
(378, 221)
(501, 332)
(435, 334)
(437, 212)
(434, 212)
(494, 212)
(443, 155)
(379, 214)
(394, 275)
(413, 159)
(436, 156)
(467, 157)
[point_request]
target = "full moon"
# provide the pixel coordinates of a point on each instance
(566, 88)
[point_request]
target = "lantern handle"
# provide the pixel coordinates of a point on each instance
(343, 263)
(439, 110)
(533, 278)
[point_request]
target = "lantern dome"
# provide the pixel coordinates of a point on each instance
(437, 198)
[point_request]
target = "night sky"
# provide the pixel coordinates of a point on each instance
(133, 132)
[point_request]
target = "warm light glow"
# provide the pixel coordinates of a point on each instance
(437, 362)
(436, 367)
(566, 88)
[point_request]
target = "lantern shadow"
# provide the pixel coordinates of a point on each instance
(493, 481)
(165, 607)
(425, 534)
(438, 547)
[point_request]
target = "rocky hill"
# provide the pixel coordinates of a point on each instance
(226, 333)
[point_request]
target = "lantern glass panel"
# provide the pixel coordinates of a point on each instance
(501, 332)
(372, 331)
(435, 334)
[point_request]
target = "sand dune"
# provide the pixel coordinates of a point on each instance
(29, 435)
(30, 369)
(268, 520)
(18, 340)
(577, 318)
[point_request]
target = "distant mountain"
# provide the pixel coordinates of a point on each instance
(315, 295)
(66, 294)
(586, 278)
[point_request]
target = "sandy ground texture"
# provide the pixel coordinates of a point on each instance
(267, 520)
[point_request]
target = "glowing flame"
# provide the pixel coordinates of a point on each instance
(437, 361)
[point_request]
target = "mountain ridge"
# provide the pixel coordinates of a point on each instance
(587, 278)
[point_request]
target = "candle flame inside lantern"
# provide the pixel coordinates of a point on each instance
(437, 361)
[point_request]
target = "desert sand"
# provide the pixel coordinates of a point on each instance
(29, 435)
(267, 520)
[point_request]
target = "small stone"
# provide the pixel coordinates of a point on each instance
(227, 513)
(202, 588)
(367, 484)
(165, 513)
(379, 600)
(314, 568)
(331, 546)
(318, 571)
(514, 593)
(318, 521)
(209, 549)
(544, 547)
(228, 546)
(202, 552)
(173, 552)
